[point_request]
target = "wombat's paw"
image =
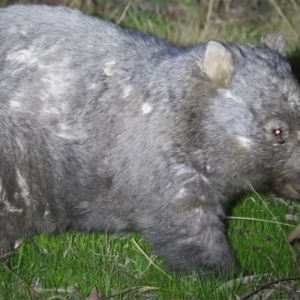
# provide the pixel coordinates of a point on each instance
(224, 264)
(207, 257)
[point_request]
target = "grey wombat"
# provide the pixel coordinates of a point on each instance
(104, 129)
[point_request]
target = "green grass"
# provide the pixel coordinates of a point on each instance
(67, 266)
(70, 264)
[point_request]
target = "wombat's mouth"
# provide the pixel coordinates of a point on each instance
(288, 190)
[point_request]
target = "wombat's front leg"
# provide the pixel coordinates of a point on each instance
(7, 245)
(9, 233)
(192, 239)
(187, 229)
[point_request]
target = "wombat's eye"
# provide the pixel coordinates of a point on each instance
(278, 132)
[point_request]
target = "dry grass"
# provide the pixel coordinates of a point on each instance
(191, 21)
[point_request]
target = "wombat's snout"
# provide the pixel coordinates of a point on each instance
(289, 190)
(288, 186)
(287, 183)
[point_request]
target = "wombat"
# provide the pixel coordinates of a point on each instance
(109, 129)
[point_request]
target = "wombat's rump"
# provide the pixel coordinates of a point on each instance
(104, 129)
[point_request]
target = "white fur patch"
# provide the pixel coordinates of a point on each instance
(24, 188)
(146, 109)
(93, 86)
(48, 110)
(127, 91)
(182, 169)
(182, 193)
(243, 141)
(109, 68)
(14, 104)
(198, 211)
(20, 144)
(11, 208)
(22, 56)
(209, 168)
(65, 131)
(56, 82)
(205, 179)
(64, 127)
(228, 95)
(65, 136)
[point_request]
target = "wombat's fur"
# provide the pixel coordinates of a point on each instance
(104, 129)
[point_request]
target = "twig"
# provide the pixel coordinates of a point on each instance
(247, 296)
(284, 18)
(32, 290)
(6, 254)
(123, 13)
(260, 220)
(208, 16)
(137, 289)
(149, 259)
(294, 4)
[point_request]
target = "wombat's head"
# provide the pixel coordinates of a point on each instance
(252, 123)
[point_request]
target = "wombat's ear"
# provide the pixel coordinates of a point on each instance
(275, 41)
(218, 63)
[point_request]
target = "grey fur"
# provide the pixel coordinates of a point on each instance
(106, 129)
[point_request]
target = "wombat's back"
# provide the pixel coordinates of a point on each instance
(52, 58)
(73, 33)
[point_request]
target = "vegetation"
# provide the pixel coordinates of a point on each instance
(121, 266)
